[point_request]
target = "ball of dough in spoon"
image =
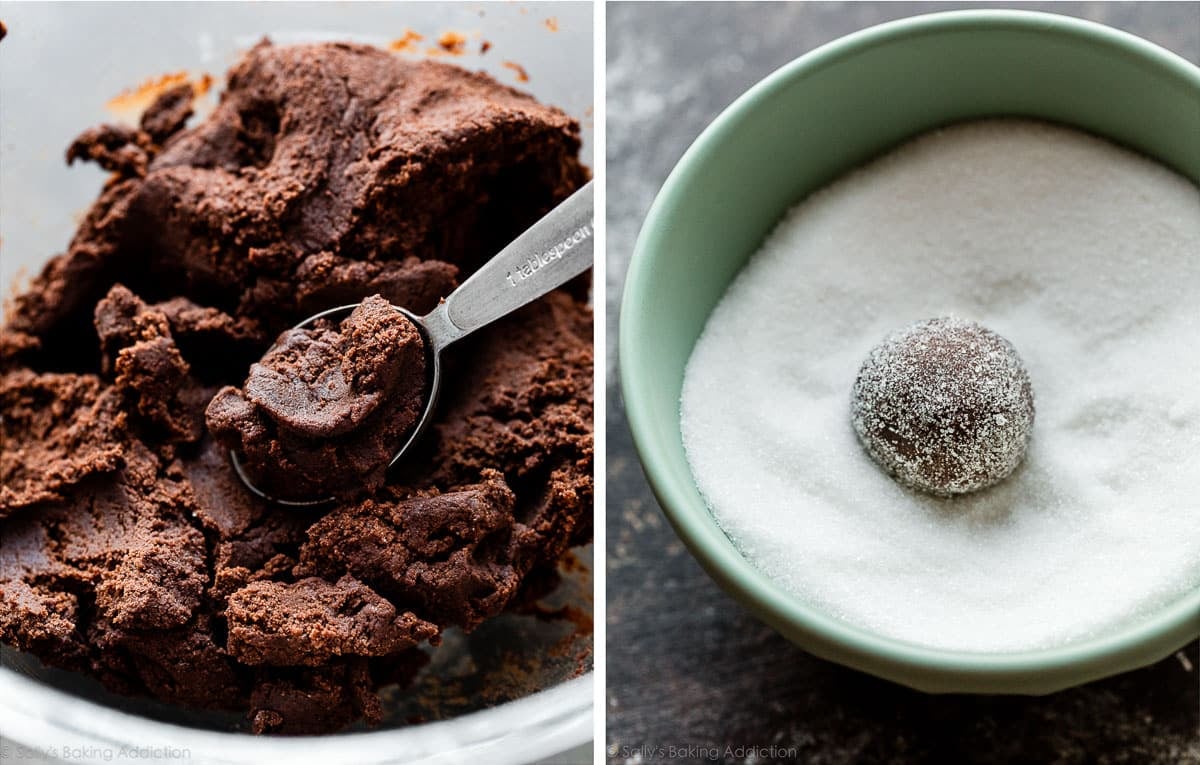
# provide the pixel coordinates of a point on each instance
(328, 406)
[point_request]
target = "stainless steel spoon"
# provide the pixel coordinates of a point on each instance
(554, 250)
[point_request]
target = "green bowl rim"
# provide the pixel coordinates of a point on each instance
(1037, 671)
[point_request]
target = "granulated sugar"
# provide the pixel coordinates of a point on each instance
(1087, 258)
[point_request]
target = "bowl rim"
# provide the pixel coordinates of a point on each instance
(542, 724)
(922, 667)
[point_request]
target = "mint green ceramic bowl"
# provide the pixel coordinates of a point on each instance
(798, 129)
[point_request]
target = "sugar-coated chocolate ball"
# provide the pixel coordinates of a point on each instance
(944, 406)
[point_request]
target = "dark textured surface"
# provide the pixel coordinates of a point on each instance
(688, 666)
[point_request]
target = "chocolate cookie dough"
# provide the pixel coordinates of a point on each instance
(328, 406)
(328, 174)
(945, 406)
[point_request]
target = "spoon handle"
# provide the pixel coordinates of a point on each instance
(552, 251)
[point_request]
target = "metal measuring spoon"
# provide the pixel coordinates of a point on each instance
(554, 250)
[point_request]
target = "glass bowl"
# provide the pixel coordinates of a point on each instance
(517, 689)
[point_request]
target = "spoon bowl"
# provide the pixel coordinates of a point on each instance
(433, 360)
(550, 253)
